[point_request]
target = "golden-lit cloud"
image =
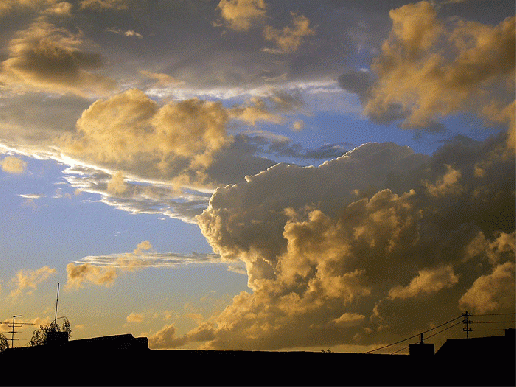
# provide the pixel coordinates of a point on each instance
(290, 38)
(427, 281)
(11, 164)
(256, 110)
(117, 185)
(240, 15)
(77, 275)
(45, 57)
(62, 8)
(132, 131)
(180, 142)
(29, 279)
(429, 68)
(105, 4)
(161, 80)
(7, 6)
(322, 262)
(448, 184)
(492, 291)
(103, 270)
(134, 318)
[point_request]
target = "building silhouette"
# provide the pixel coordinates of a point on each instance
(126, 360)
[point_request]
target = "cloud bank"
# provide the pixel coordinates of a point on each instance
(339, 253)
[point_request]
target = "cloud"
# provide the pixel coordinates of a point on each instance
(139, 196)
(427, 281)
(61, 8)
(26, 278)
(165, 338)
(492, 291)
(134, 318)
(103, 270)
(185, 143)
(31, 196)
(8, 6)
(11, 164)
(448, 184)
(161, 80)
(105, 4)
(140, 260)
(49, 58)
(289, 39)
(117, 185)
(429, 68)
(79, 274)
(128, 33)
(130, 130)
(240, 15)
(362, 235)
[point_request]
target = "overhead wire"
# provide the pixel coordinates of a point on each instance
(432, 335)
(411, 337)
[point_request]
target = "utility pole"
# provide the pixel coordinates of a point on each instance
(466, 321)
(13, 331)
(14, 325)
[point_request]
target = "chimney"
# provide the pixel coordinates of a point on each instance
(421, 349)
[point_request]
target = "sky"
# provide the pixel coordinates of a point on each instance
(257, 174)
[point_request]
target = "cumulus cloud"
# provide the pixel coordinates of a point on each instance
(431, 67)
(240, 15)
(336, 254)
(492, 291)
(427, 281)
(132, 131)
(11, 164)
(105, 4)
(77, 275)
(184, 143)
(50, 58)
(290, 38)
(29, 279)
(8, 6)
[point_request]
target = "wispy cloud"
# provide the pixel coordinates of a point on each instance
(28, 280)
(149, 259)
(103, 270)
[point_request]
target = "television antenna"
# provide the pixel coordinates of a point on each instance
(14, 325)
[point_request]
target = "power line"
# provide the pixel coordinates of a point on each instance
(445, 329)
(411, 337)
(432, 335)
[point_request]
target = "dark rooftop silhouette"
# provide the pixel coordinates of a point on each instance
(126, 360)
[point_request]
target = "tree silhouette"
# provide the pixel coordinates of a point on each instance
(4, 343)
(40, 336)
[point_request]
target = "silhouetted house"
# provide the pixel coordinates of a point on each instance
(126, 360)
(490, 346)
(485, 361)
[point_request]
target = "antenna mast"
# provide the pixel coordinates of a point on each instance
(57, 301)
